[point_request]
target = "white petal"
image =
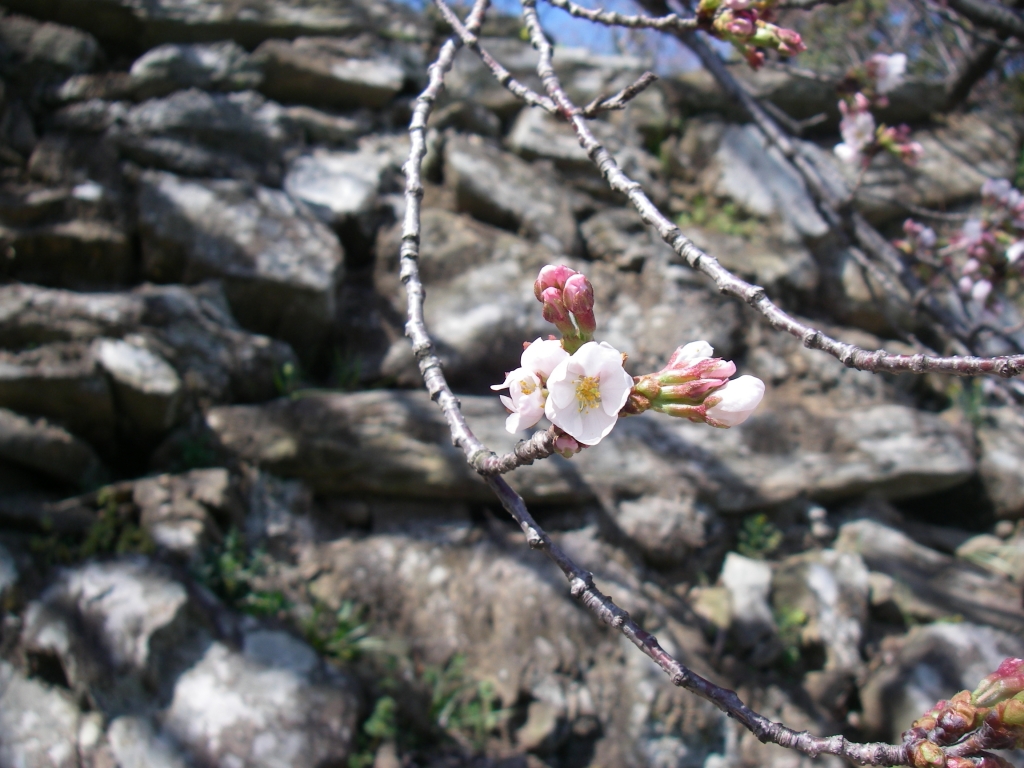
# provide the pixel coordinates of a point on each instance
(596, 424)
(512, 424)
(615, 389)
(543, 355)
(510, 377)
(561, 391)
(507, 402)
(568, 419)
(739, 399)
(526, 380)
(1015, 251)
(695, 350)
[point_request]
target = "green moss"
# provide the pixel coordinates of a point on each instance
(723, 217)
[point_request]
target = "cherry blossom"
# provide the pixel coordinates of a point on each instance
(888, 71)
(526, 384)
(587, 391)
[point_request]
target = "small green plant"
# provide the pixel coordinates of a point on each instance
(466, 710)
(380, 726)
(725, 218)
(790, 623)
(286, 379)
(115, 531)
(342, 635)
(230, 571)
(758, 538)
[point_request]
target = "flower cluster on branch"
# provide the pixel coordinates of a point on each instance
(582, 388)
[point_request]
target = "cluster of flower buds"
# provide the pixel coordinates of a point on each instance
(568, 299)
(864, 88)
(993, 713)
(582, 387)
(695, 385)
(747, 24)
(982, 253)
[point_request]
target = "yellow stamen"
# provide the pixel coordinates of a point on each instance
(527, 387)
(588, 392)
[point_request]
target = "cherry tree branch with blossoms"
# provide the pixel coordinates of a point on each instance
(580, 385)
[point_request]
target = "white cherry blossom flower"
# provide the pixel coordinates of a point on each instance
(889, 71)
(735, 401)
(525, 384)
(1015, 251)
(586, 392)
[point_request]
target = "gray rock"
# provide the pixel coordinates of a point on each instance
(142, 631)
(341, 186)
(262, 708)
(31, 51)
(48, 449)
(189, 327)
(573, 673)
(1001, 463)
(501, 189)
(126, 25)
(325, 128)
(749, 583)
(75, 253)
(929, 664)
(180, 512)
(280, 266)
(236, 135)
(762, 182)
(1004, 558)
(135, 744)
(776, 260)
(147, 389)
(825, 594)
(38, 724)
(666, 530)
(396, 443)
(329, 72)
(8, 570)
(224, 66)
(620, 237)
(62, 382)
(928, 585)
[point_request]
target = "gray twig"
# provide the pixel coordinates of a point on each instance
(622, 98)
(665, 23)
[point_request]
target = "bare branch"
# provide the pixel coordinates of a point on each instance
(501, 74)
(664, 23)
(622, 98)
(806, 5)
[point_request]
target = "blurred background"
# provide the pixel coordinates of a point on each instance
(233, 529)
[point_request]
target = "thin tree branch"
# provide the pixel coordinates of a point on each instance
(664, 23)
(622, 98)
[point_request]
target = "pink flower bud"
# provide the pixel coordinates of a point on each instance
(567, 446)
(739, 27)
(578, 298)
(551, 276)
(1006, 681)
(791, 40)
(755, 58)
(554, 311)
